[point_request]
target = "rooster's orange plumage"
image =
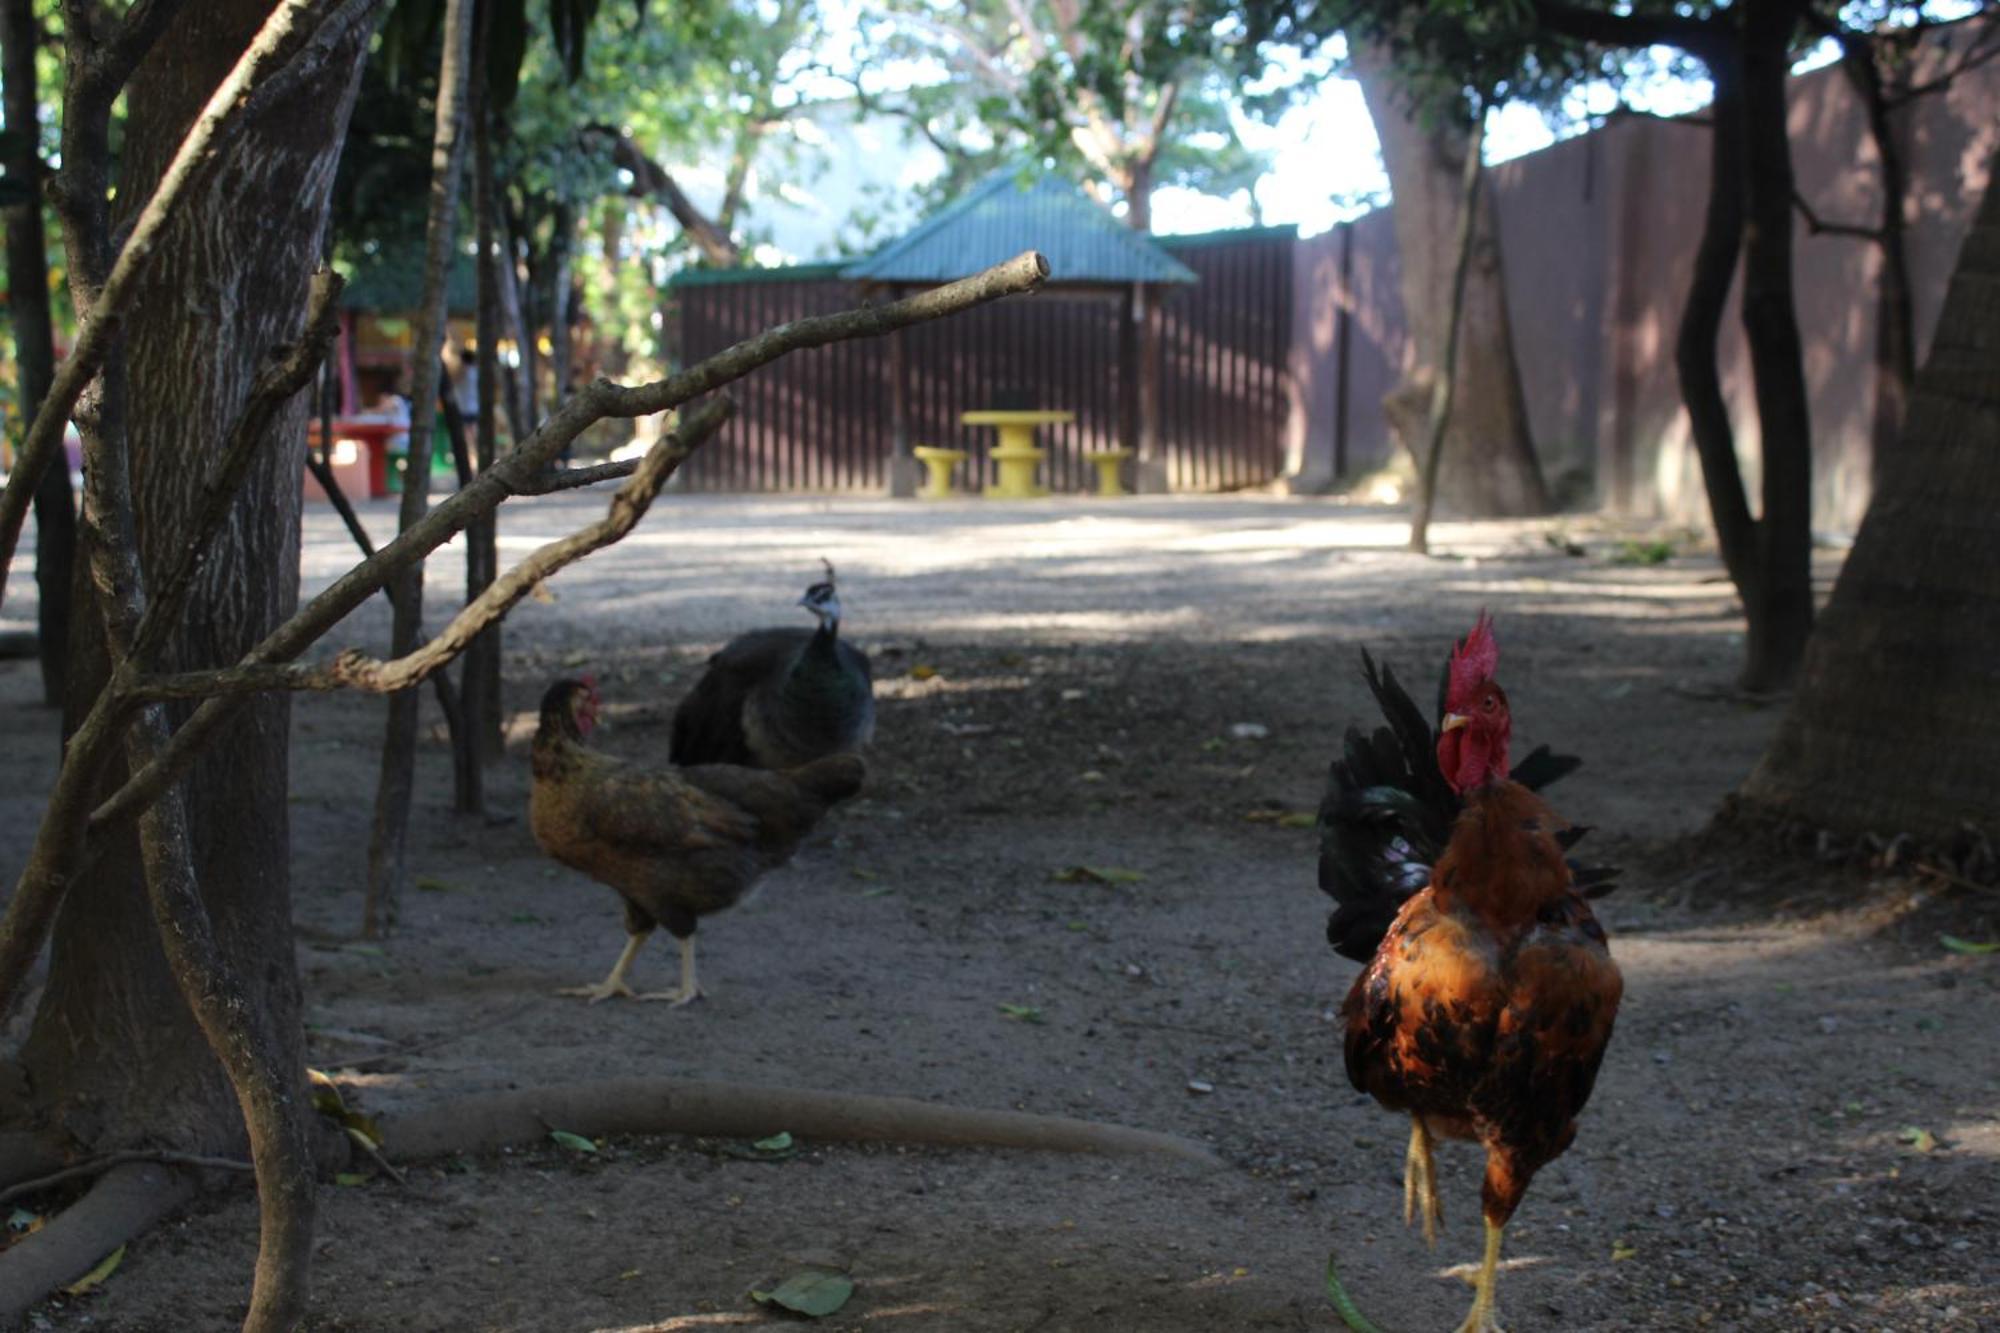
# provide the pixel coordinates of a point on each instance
(1489, 994)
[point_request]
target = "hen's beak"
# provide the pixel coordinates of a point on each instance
(1452, 722)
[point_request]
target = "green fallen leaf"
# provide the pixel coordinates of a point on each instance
(350, 1178)
(1917, 1137)
(1096, 875)
(1298, 819)
(574, 1142)
(1957, 945)
(105, 1268)
(369, 1138)
(432, 884)
(1622, 1250)
(1022, 1013)
(817, 1294)
(779, 1142)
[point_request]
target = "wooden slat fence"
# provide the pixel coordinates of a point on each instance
(820, 420)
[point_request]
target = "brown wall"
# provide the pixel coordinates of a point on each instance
(1276, 363)
(1598, 234)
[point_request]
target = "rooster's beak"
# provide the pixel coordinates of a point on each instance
(1452, 722)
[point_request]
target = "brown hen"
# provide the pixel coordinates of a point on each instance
(677, 844)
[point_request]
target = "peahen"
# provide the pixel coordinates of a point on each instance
(1388, 813)
(780, 698)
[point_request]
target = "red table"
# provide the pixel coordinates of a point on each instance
(373, 436)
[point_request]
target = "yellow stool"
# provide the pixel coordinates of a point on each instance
(938, 464)
(1017, 473)
(1107, 462)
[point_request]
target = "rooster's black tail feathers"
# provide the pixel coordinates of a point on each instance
(1388, 813)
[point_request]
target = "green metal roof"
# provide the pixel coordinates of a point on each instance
(730, 277)
(1009, 212)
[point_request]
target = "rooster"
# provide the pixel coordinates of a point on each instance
(1489, 992)
(677, 844)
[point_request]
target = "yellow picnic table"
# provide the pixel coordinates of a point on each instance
(1016, 453)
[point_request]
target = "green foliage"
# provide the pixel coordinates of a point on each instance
(1529, 50)
(1120, 93)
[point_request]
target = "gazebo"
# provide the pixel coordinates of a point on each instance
(1088, 250)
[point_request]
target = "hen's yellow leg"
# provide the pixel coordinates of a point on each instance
(1484, 1317)
(689, 990)
(1420, 1188)
(614, 984)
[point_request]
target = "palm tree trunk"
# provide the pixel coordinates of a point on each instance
(1896, 725)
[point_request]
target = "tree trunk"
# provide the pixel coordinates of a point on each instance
(480, 677)
(114, 1058)
(394, 791)
(1697, 343)
(1444, 383)
(1895, 316)
(1896, 725)
(562, 245)
(518, 294)
(34, 342)
(612, 356)
(1779, 604)
(1489, 467)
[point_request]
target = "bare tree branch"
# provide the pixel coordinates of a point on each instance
(1984, 49)
(356, 670)
(650, 180)
(97, 1166)
(191, 164)
(1819, 227)
(596, 401)
(576, 478)
(394, 789)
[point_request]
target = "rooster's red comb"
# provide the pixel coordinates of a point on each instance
(1474, 660)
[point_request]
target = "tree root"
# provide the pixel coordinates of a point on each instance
(99, 1165)
(752, 1111)
(125, 1202)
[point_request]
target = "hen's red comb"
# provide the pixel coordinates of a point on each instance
(1474, 660)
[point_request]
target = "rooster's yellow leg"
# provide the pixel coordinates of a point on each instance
(1420, 1188)
(615, 984)
(1484, 1317)
(689, 990)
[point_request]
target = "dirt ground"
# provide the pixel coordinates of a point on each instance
(1746, 1162)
